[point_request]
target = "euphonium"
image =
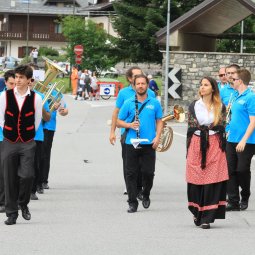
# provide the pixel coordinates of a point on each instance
(166, 137)
(51, 91)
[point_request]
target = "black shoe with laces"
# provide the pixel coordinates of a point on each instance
(33, 196)
(11, 220)
(244, 205)
(25, 213)
(232, 207)
(132, 209)
(45, 185)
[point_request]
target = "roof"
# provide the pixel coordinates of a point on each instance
(98, 7)
(210, 18)
(40, 7)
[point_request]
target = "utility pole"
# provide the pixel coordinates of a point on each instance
(167, 58)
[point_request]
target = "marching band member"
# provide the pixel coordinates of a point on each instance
(148, 128)
(206, 165)
(20, 116)
(124, 95)
(9, 79)
(49, 129)
(241, 142)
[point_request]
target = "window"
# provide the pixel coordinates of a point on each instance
(58, 28)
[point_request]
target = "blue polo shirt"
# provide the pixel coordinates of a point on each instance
(127, 93)
(221, 86)
(150, 113)
(226, 92)
(52, 123)
(242, 108)
(39, 136)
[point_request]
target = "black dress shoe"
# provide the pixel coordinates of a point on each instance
(11, 220)
(232, 207)
(146, 203)
(2, 208)
(25, 213)
(140, 196)
(45, 185)
(244, 205)
(132, 209)
(205, 226)
(40, 190)
(33, 196)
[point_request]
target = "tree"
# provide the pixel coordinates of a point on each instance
(136, 23)
(98, 46)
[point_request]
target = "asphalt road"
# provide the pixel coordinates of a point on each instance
(84, 211)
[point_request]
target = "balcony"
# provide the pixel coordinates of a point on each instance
(48, 37)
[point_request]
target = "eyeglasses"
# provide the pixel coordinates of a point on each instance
(234, 79)
(222, 74)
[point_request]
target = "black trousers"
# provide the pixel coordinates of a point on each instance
(1, 179)
(18, 166)
(239, 164)
(139, 175)
(144, 159)
(38, 166)
(47, 145)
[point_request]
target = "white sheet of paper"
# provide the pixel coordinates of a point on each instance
(135, 142)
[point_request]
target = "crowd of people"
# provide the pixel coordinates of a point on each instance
(220, 142)
(84, 84)
(27, 128)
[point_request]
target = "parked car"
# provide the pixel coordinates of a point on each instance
(9, 62)
(111, 73)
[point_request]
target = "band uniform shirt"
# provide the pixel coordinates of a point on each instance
(148, 117)
(20, 100)
(242, 108)
(226, 93)
(39, 135)
(126, 94)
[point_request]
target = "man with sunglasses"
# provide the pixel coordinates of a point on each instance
(241, 142)
(223, 78)
(228, 93)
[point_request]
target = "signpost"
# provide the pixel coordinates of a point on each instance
(78, 51)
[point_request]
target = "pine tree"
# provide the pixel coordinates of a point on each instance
(136, 23)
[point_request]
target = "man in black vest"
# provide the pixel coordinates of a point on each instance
(20, 116)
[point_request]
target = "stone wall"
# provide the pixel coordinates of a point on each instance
(196, 65)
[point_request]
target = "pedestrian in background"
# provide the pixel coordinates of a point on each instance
(74, 80)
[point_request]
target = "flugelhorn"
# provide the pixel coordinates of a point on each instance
(166, 137)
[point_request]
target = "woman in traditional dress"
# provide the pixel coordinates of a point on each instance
(206, 166)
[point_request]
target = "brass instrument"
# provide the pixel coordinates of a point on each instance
(166, 137)
(52, 92)
(229, 106)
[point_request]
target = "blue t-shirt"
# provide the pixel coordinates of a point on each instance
(242, 108)
(127, 93)
(39, 136)
(150, 113)
(227, 93)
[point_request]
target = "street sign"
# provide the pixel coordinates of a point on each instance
(174, 83)
(107, 89)
(78, 59)
(78, 50)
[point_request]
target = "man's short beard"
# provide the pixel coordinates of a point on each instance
(142, 93)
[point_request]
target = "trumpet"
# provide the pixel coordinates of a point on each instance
(166, 137)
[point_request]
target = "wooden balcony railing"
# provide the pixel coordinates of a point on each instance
(4, 35)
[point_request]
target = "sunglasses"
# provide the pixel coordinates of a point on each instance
(222, 74)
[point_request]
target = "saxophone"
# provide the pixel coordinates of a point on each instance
(166, 137)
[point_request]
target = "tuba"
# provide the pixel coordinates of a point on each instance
(166, 137)
(52, 92)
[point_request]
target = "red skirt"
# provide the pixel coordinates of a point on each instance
(216, 169)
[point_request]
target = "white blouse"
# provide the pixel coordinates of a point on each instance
(204, 116)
